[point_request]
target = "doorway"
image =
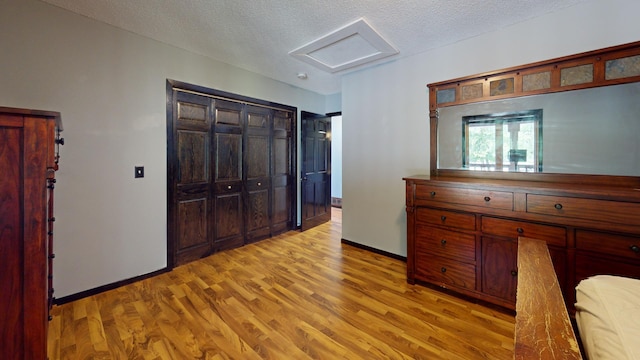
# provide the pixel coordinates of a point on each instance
(315, 184)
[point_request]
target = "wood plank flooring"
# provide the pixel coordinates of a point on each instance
(295, 296)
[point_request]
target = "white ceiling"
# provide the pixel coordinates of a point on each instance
(258, 35)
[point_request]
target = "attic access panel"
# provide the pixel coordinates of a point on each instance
(350, 46)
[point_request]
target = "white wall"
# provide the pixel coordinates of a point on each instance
(385, 109)
(109, 86)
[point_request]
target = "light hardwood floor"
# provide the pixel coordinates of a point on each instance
(295, 296)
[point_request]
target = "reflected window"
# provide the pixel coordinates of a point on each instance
(503, 141)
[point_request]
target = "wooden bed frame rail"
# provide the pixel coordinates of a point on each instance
(543, 328)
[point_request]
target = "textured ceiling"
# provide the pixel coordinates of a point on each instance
(258, 35)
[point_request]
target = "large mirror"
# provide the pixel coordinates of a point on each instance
(587, 131)
(575, 118)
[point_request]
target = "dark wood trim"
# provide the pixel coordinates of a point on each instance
(374, 250)
(201, 90)
(171, 163)
(433, 136)
(597, 58)
(103, 288)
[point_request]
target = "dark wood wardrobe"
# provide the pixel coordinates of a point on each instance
(231, 168)
(28, 161)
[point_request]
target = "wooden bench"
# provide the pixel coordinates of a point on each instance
(543, 328)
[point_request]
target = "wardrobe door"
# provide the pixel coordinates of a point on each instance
(228, 221)
(191, 172)
(258, 172)
(282, 172)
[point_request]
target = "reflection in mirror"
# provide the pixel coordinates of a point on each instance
(502, 141)
(590, 131)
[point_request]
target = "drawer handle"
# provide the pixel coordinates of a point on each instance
(558, 206)
(443, 269)
(443, 218)
(635, 248)
(520, 230)
(444, 242)
(433, 193)
(514, 273)
(487, 199)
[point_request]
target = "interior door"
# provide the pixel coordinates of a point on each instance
(257, 159)
(189, 175)
(316, 169)
(283, 184)
(228, 224)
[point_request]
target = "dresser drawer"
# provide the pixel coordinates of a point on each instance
(453, 219)
(617, 245)
(553, 235)
(446, 243)
(484, 198)
(442, 271)
(587, 265)
(589, 209)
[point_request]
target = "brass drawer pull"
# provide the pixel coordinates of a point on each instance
(520, 230)
(443, 269)
(487, 199)
(444, 242)
(433, 193)
(635, 248)
(514, 273)
(558, 206)
(443, 218)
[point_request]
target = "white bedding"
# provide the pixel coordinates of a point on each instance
(608, 317)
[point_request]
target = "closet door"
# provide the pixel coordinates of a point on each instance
(231, 170)
(191, 172)
(257, 157)
(282, 181)
(228, 221)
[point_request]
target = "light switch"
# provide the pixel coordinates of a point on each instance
(139, 172)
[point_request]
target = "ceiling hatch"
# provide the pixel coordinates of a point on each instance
(352, 45)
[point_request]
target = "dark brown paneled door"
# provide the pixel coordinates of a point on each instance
(207, 174)
(316, 170)
(190, 174)
(283, 184)
(231, 169)
(257, 161)
(228, 224)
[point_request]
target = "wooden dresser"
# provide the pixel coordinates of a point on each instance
(28, 161)
(462, 232)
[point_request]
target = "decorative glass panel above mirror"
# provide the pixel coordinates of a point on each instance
(589, 131)
(579, 114)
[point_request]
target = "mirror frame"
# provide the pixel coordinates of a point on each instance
(573, 72)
